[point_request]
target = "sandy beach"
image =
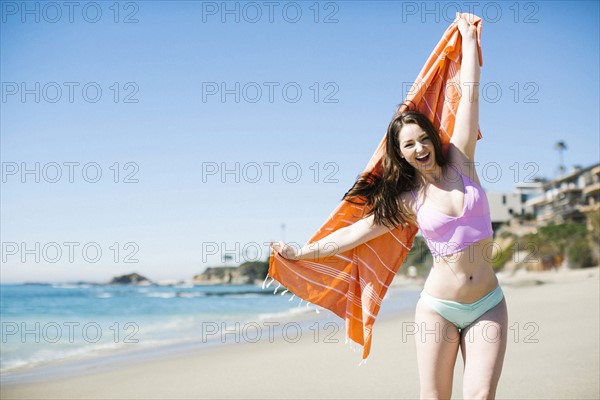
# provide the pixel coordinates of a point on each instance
(553, 352)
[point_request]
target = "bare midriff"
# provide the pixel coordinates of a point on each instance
(465, 276)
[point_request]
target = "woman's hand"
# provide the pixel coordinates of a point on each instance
(467, 30)
(286, 251)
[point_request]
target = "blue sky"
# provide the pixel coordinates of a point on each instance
(291, 99)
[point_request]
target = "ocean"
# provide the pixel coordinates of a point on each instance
(44, 323)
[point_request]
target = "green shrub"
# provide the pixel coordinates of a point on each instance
(579, 254)
(419, 256)
(502, 257)
(551, 241)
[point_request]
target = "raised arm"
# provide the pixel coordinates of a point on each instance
(338, 241)
(466, 125)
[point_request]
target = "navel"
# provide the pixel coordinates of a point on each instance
(471, 277)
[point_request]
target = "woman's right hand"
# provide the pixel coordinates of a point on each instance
(286, 251)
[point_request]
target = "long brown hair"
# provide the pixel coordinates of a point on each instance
(380, 189)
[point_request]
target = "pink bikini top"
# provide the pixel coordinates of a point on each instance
(447, 235)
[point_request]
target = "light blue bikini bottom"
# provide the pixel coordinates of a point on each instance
(461, 314)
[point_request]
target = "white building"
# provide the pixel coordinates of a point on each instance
(505, 206)
(568, 198)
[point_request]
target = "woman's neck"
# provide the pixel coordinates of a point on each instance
(433, 176)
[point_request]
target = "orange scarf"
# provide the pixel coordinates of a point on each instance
(353, 284)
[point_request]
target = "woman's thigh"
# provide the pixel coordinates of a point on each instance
(483, 345)
(437, 343)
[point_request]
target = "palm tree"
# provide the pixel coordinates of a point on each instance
(561, 146)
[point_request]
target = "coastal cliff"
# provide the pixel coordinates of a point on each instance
(248, 273)
(130, 279)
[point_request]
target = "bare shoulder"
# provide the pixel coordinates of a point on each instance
(408, 202)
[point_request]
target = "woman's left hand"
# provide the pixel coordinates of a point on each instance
(467, 30)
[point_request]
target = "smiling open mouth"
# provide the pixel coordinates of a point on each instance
(424, 158)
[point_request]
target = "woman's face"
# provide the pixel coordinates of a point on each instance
(416, 147)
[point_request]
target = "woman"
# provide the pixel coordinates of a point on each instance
(461, 305)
